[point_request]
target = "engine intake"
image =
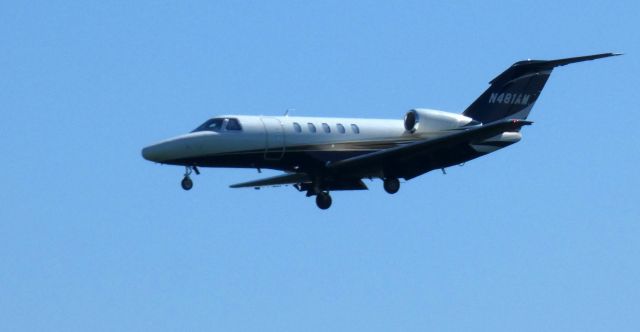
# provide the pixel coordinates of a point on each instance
(410, 121)
(427, 120)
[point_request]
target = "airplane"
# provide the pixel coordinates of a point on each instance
(319, 155)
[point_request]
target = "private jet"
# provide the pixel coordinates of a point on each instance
(319, 155)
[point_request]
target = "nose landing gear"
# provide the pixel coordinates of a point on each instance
(186, 182)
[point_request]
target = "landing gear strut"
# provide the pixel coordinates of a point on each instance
(187, 183)
(323, 200)
(391, 185)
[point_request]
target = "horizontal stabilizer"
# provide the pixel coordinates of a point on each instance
(530, 66)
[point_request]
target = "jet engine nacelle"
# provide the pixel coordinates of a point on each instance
(426, 120)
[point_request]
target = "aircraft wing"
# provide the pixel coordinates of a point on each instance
(290, 178)
(379, 160)
(360, 165)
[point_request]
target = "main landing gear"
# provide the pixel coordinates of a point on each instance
(323, 200)
(391, 185)
(186, 182)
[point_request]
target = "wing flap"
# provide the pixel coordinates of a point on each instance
(274, 181)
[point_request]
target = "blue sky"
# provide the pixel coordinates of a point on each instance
(540, 236)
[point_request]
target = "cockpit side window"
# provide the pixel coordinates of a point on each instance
(211, 124)
(216, 124)
(233, 124)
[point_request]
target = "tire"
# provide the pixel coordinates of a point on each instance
(186, 183)
(391, 185)
(323, 200)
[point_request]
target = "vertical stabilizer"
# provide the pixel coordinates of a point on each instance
(513, 93)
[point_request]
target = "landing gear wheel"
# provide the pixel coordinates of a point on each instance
(186, 183)
(323, 200)
(391, 185)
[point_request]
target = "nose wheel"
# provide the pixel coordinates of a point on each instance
(323, 200)
(186, 182)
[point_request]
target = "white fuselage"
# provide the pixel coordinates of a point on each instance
(275, 134)
(271, 139)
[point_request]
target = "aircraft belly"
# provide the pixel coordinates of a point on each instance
(297, 160)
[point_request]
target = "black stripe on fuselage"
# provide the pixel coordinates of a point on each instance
(313, 158)
(290, 160)
(293, 158)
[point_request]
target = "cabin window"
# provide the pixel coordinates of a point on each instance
(355, 129)
(312, 127)
(233, 124)
(340, 128)
(326, 128)
(297, 128)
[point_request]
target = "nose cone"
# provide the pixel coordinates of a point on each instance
(155, 152)
(174, 149)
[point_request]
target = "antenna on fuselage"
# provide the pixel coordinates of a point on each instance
(286, 113)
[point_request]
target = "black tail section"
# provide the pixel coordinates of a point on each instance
(513, 93)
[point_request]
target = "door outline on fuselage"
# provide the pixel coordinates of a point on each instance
(274, 146)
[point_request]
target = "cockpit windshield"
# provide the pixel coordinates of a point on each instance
(220, 124)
